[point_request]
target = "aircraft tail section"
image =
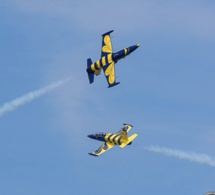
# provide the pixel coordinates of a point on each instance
(128, 141)
(89, 71)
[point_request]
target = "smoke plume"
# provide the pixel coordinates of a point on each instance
(191, 156)
(12, 105)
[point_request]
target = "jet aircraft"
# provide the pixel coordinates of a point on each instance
(110, 140)
(108, 60)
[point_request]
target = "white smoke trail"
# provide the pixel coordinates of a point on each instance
(191, 156)
(12, 105)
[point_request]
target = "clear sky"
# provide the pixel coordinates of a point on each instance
(166, 92)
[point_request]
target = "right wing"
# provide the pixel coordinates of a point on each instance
(103, 148)
(107, 62)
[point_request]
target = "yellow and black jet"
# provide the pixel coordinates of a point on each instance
(107, 61)
(120, 138)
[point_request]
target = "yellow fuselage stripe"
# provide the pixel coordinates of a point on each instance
(125, 51)
(103, 61)
(98, 64)
(93, 67)
(109, 57)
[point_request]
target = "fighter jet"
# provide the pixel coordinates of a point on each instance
(110, 140)
(108, 60)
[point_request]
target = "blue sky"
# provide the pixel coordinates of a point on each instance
(166, 93)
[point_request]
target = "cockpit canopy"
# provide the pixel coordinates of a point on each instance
(99, 134)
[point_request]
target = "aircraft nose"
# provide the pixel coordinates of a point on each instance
(91, 136)
(132, 48)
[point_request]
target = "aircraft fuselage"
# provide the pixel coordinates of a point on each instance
(97, 66)
(116, 139)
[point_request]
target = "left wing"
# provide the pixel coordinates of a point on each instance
(104, 147)
(108, 64)
(109, 71)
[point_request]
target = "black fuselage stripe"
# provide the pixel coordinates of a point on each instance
(109, 137)
(119, 141)
(97, 66)
(114, 139)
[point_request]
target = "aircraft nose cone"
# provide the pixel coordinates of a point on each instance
(132, 48)
(91, 136)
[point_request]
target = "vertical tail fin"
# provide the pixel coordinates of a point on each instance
(89, 71)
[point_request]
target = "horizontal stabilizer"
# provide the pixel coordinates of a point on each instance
(89, 72)
(91, 77)
(129, 140)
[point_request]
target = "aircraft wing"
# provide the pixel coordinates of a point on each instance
(106, 44)
(108, 64)
(127, 127)
(103, 148)
(109, 71)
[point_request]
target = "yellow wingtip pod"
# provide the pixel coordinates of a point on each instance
(138, 45)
